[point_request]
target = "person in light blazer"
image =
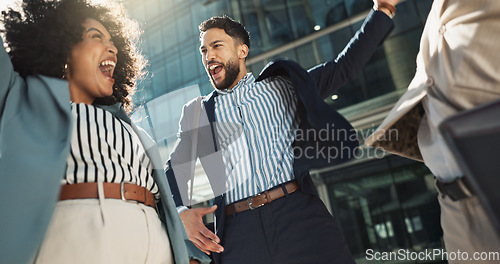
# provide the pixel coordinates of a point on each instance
(79, 183)
(458, 68)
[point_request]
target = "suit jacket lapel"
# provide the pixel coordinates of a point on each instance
(210, 106)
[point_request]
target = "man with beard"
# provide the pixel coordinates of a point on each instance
(245, 134)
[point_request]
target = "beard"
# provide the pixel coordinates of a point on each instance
(232, 70)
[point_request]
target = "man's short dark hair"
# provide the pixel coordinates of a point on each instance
(232, 27)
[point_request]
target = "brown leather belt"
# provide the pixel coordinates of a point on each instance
(262, 198)
(124, 191)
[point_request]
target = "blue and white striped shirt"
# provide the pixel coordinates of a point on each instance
(256, 124)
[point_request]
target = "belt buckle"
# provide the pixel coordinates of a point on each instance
(250, 204)
(122, 194)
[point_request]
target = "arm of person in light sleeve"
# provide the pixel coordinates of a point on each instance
(7, 77)
(331, 75)
(179, 171)
(34, 144)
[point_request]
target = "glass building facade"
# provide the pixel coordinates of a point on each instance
(381, 202)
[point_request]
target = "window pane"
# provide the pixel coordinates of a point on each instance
(267, 22)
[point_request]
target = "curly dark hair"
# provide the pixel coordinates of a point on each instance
(39, 39)
(232, 27)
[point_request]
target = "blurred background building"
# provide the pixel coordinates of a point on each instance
(381, 201)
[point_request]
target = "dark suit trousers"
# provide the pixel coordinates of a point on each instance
(293, 229)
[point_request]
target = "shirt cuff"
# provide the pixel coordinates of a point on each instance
(181, 209)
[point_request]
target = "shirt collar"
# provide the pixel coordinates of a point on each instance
(248, 79)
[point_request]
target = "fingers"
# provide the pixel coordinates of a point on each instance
(391, 2)
(206, 244)
(209, 234)
(201, 246)
(209, 240)
(198, 233)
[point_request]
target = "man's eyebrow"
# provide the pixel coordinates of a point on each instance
(215, 42)
(211, 43)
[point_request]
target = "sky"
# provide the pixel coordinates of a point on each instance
(5, 3)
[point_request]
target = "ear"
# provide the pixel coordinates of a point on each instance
(66, 71)
(242, 51)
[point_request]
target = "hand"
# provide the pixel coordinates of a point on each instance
(390, 2)
(201, 236)
(194, 261)
(379, 5)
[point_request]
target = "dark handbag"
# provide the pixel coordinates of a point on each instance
(474, 138)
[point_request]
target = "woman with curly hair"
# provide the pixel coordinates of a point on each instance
(79, 182)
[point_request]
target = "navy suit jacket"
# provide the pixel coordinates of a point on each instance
(311, 88)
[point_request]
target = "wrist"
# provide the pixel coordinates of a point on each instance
(387, 8)
(181, 209)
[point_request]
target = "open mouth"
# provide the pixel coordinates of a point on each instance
(107, 67)
(215, 70)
